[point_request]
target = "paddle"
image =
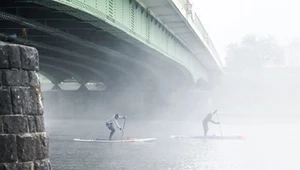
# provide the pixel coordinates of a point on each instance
(219, 122)
(124, 123)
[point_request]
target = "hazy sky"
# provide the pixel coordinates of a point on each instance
(228, 21)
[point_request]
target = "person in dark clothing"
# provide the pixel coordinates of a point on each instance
(24, 35)
(207, 119)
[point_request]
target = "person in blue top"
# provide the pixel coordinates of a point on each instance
(207, 119)
(11, 38)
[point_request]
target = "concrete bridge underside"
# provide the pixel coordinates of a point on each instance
(70, 47)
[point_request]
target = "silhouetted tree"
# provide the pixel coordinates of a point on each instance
(253, 53)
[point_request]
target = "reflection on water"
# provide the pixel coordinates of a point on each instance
(268, 147)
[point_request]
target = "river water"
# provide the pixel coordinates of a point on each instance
(268, 146)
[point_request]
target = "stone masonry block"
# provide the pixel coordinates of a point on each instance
(32, 147)
(17, 166)
(31, 124)
(1, 125)
(10, 56)
(4, 63)
(29, 58)
(17, 97)
(42, 165)
(5, 101)
(25, 166)
(14, 78)
(25, 78)
(42, 146)
(26, 147)
(0, 78)
(30, 101)
(40, 105)
(6, 166)
(39, 122)
(33, 79)
(3, 166)
(36, 123)
(15, 124)
(8, 148)
(9, 166)
(13, 55)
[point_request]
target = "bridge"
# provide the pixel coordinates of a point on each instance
(114, 41)
(145, 50)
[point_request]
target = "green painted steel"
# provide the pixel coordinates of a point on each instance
(130, 17)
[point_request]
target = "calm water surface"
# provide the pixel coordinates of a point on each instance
(267, 147)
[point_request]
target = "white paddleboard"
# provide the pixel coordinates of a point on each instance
(115, 141)
(208, 137)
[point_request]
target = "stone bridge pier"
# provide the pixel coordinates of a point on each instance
(23, 141)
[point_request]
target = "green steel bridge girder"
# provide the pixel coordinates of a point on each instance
(129, 21)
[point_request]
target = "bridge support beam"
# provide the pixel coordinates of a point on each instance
(83, 88)
(23, 141)
(56, 87)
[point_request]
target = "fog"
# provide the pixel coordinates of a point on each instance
(269, 95)
(256, 96)
(259, 104)
(228, 21)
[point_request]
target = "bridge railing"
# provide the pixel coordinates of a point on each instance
(206, 38)
(198, 27)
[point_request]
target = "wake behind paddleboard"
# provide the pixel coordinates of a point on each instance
(116, 141)
(208, 137)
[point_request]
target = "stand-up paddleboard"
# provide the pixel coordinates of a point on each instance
(116, 141)
(208, 137)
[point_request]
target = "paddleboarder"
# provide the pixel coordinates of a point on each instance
(113, 121)
(207, 119)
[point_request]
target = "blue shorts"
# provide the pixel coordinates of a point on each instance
(110, 126)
